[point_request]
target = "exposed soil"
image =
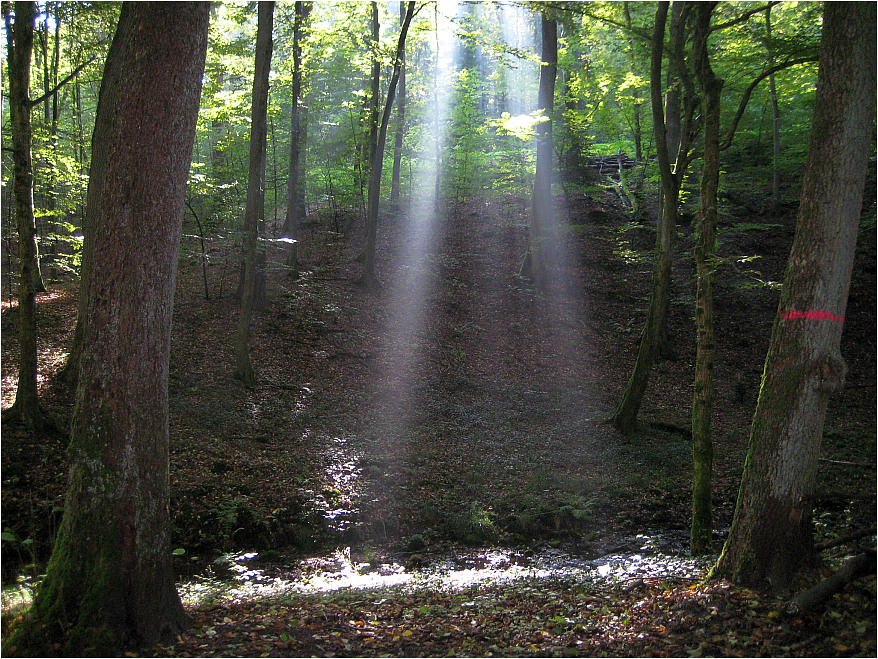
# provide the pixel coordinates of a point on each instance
(477, 420)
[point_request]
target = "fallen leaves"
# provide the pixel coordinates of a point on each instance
(524, 618)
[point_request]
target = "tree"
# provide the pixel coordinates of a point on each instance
(295, 198)
(255, 209)
(536, 263)
(20, 40)
(771, 536)
(673, 91)
(368, 278)
(654, 342)
(705, 263)
(400, 122)
(775, 120)
(110, 583)
(374, 100)
(671, 172)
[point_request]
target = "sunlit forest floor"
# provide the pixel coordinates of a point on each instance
(382, 442)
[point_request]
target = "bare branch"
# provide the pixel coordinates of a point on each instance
(749, 91)
(36, 101)
(743, 17)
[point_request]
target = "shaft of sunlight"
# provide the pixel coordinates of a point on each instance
(418, 244)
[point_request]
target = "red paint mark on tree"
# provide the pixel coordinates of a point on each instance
(810, 315)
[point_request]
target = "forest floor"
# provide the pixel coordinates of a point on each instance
(427, 470)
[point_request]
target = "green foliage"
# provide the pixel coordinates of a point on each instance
(467, 158)
(603, 84)
(62, 125)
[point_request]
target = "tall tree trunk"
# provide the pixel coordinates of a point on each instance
(97, 167)
(20, 39)
(400, 123)
(771, 538)
(705, 252)
(255, 208)
(625, 417)
(539, 250)
(295, 200)
(775, 120)
(110, 582)
(654, 342)
(674, 91)
(373, 117)
(369, 280)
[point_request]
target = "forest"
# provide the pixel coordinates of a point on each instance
(437, 328)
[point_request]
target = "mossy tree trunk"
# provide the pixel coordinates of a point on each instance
(255, 205)
(771, 538)
(705, 253)
(110, 582)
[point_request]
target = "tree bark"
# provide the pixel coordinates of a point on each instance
(255, 208)
(19, 52)
(103, 127)
(771, 538)
(110, 582)
(705, 252)
(295, 187)
(369, 280)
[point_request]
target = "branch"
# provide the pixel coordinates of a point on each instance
(743, 17)
(851, 569)
(829, 544)
(36, 101)
(640, 34)
(749, 91)
(845, 463)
